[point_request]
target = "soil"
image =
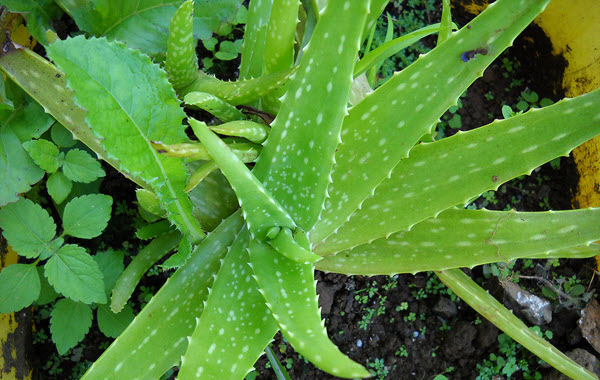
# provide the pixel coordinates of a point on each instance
(418, 329)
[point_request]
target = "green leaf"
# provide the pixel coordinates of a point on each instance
(156, 339)
(290, 291)
(47, 292)
(255, 34)
(298, 155)
(485, 304)
(153, 230)
(179, 258)
(59, 187)
(75, 274)
(111, 324)
(465, 238)
(230, 335)
(424, 185)
(365, 159)
(28, 228)
(213, 104)
(129, 118)
(61, 136)
(148, 256)
(79, 166)
(44, 153)
(17, 169)
(69, 323)
(39, 13)
(182, 61)
(19, 287)
(111, 265)
(87, 216)
(144, 24)
(229, 50)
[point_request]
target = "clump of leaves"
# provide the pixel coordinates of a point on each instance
(331, 187)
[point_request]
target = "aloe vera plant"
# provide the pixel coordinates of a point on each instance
(347, 190)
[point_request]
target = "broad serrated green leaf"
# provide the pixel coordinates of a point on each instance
(111, 324)
(429, 181)
(148, 256)
(465, 238)
(59, 187)
(402, 110)
(47, 292)
(44, 154)
(17, 169)
(290, 291)
(39, 13)
(111, 265)
(87, 216)
(230, 335)
(79, 166)
(169, 317)
(485, 304)
(298, 155)
(69, 323)
(179, 258)
(128, 118)
(19, 287)
(28, 228)
(145, 24)
(182, 62)
(75, 274)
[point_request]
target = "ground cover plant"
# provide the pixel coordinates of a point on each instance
(362, 205)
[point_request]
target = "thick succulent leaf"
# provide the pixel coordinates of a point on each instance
(254, 39)
(380, 130)
(290, 291)
(234, 327)
(241, 91)
(281, 36)
(213, 104)
(392, 47)
(261, 211)
(465, 238)
(145, 24)
(140, 264)
(128, 118)
(32, 73)
(156, 339)
(453, 170)
(504, 319)
(182, 62)
(250, 130)
(17, 169)
(298, 155)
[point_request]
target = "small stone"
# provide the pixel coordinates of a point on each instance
(589, 324)
(445, 308)
(536, 310)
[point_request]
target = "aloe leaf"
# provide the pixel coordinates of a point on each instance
(416, 98)
(213, 198)
(261, 211)
(140, 264)
(155, 340)
(250, 130)
(238, 92)
(144, 24)
(234, 327)
(182, 61)
(446, 22)
(504, 319)
(213, 104)
(465, 238)
(128, 118)
(281, 36)
(290, 291)
(482, 159)
(200, 174)
(254, 39)
(298, 155)
(32, 73)
(392, 47)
